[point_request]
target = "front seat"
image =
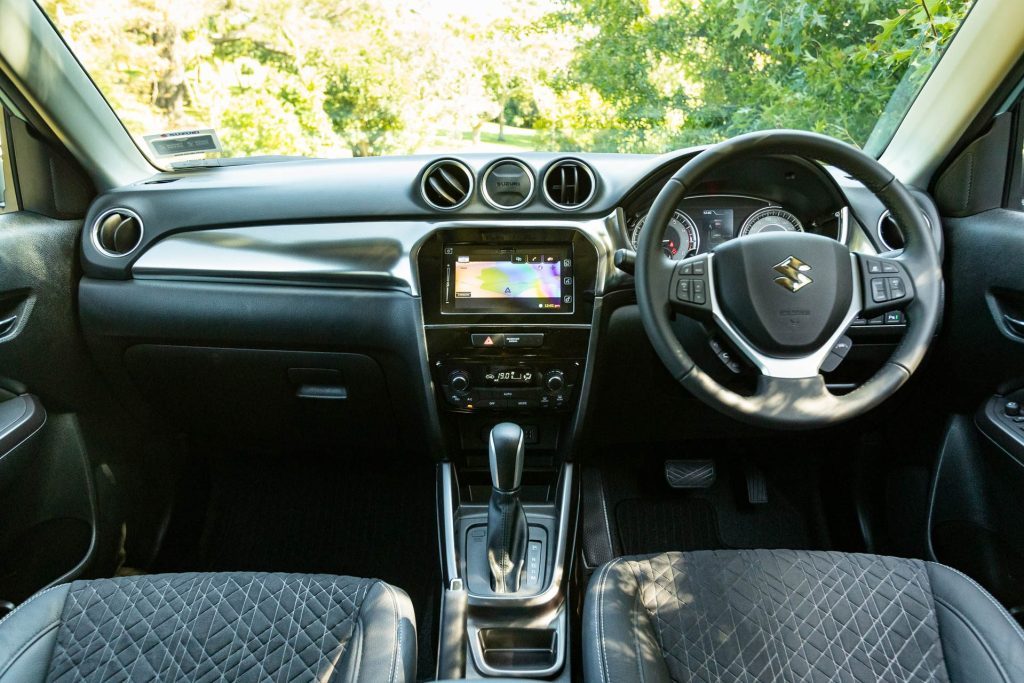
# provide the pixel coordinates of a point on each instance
(782, 615)
(212, 627)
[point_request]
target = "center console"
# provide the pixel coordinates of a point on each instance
(508, 315)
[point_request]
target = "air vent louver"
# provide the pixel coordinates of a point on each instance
(569, 184)
(889, 232)
(117, 232)
(447, 184)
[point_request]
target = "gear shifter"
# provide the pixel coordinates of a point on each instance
(507, 530)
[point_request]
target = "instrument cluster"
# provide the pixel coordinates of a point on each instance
(700, 223)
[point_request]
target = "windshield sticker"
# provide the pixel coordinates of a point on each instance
(183, 143)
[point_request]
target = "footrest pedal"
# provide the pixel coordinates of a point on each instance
(690, 474)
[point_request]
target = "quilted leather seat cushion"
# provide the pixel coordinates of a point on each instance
(778, 615)
(214, 627)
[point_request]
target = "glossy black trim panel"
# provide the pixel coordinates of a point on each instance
(20, 418)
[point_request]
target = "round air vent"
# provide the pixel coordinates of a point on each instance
(447, 184)
(569, 184)
(508, 184)
(117, 232)
(889, 232)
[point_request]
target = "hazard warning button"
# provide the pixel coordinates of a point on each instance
(487, 340)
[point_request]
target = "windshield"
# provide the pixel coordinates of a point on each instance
(333, 78)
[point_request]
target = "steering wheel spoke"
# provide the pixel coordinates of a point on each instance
(886, 284)
(785, 300)
(691, 287)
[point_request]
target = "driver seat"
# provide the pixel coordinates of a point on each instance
(782, 615)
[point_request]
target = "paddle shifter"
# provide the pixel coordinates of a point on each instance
(507, 531)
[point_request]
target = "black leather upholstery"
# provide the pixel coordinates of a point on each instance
(210, 627)
(780, 615)
(507, 537)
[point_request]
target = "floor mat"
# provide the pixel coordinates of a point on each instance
(371, 518)
(660, 526)
(646, 515)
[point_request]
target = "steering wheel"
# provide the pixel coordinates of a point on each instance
(785, 299)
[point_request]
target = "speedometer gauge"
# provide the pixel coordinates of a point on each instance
(772, 219)
(679, 240)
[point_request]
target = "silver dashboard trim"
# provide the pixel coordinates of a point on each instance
(373, 254)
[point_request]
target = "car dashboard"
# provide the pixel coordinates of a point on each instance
(421, 298)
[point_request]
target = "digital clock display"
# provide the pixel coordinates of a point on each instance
(511, 377)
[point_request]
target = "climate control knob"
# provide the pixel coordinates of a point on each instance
(554, 381)
(459, 380)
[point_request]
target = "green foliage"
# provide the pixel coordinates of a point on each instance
(688, 71)
(368, 77)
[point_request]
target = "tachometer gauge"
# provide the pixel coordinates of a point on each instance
(679, 240)
(772, 219)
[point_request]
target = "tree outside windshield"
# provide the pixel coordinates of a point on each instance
(331, 78)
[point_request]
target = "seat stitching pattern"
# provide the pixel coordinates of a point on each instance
(974, 632)
(1002, 610)
(206, 627)
(800, 617)
(29, 602)
(32, 640)
(603, 654)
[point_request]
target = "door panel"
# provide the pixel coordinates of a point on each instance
(981, 351)
(47, 506)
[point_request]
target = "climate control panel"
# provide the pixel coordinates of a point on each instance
(472, 384)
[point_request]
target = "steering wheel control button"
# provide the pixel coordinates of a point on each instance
(878, 293)
(683, 291)
(837, 355)
(842, 347)
(692, 283)
(894, 318)
(486, 341)
(886, 282)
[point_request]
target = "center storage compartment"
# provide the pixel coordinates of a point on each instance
(519, 649)
(267, 397)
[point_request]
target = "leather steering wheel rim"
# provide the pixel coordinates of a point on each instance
(792, 402)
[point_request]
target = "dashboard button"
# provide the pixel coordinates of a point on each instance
(529, 340)
(483, 341)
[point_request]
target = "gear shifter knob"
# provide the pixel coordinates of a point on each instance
(506, 451)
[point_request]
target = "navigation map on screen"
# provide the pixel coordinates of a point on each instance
(521, 279)
(501, 280)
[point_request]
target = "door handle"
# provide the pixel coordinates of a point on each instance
(7, 325)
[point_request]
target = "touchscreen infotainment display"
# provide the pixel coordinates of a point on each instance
(521, 279)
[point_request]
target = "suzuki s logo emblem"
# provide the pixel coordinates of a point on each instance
(794, 274)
